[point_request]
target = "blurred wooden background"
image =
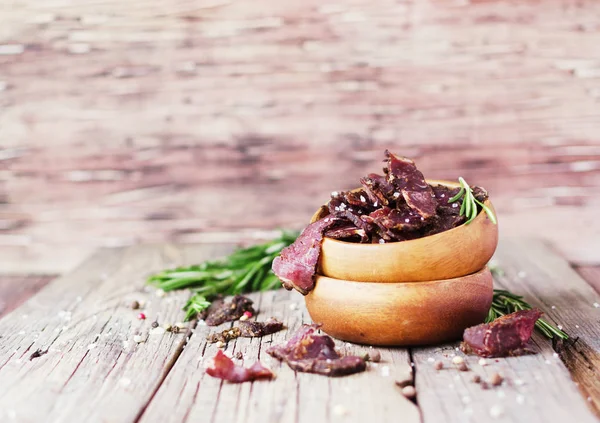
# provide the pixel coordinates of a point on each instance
(125, 122)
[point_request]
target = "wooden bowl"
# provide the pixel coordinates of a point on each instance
(457, 252)
(418, 313)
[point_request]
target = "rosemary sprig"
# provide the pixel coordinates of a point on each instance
(505, 302)
(470, 203)
(245, 270)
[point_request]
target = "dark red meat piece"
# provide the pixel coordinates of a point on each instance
(508, 335)
(308, 352)
(224, 368)
(409, 181)
(221, 312)
(378, 189)
(297, 264)
(252, 329)
(347, 231)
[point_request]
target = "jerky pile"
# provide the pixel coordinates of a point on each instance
(224, 368)
(506, 336)
(308, 352)
(396, 206)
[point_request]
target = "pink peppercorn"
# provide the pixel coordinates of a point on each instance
(142, 316)
(247, 314)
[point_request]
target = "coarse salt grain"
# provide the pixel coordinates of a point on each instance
(125, 381)
(382, 241)
(243, 318)
(407, 220)
(293, 306)
(496, 411)
(334, 193)
(363, 199)
(220, 344)
(375, 204)
(553, 307)
(454, 205)
(385, 371)
(92, 346)
(483, 362)
(396, 194)
(577, 326)
(431, 359)
(340, 410)
(596, 305)
(458, 360)
(138, 339)
(160, 293)
(559, 327)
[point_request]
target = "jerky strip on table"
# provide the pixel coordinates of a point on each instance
(311, 353)
(247, 329)
(221, 311)
(224, 368)
(297, 265)
(506, 336)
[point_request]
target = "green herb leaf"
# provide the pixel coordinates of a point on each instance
(505, 302)
(469, 204)
(245, 270)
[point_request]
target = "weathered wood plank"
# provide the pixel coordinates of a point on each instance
(289, 398)
(538, 387)
(591, 274)
(286, 95)
(14, 290)
(93, 369)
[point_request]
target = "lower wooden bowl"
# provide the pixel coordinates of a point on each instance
(407, 313)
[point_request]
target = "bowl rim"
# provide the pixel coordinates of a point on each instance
(452, 184)
(484, 270)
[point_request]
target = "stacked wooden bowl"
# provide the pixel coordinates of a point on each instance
(418, 292)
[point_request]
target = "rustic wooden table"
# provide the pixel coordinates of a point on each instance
(93, 370)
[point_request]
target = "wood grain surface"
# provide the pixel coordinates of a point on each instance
(14, 290)
(91, 367)
(127, 122)
(89, 372)
(537, 387)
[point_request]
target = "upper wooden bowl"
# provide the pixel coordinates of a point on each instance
(418, 313)
(457, 252)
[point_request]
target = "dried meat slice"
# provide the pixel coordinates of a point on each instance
(348, 232)
(506, 336)
(220, 312)
(379, 190)
(311, 353)
(297, 265)
(224, 368)
(253, 329)
(409, 181)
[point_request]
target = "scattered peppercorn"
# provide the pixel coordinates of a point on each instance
(374, 356)
(438, 365)
(239, 355)
(135, 305)
(496, 379)
(409, 392)
(154, 325)
(476, 379)
(484, 385)
(141, 316)
(37, 353)
(463, 367)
